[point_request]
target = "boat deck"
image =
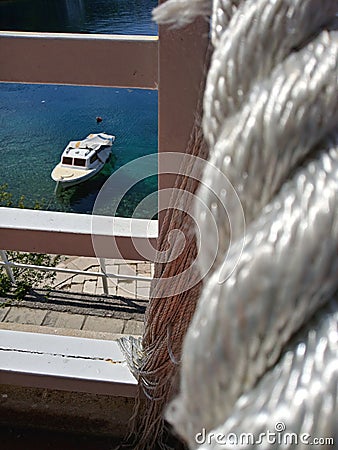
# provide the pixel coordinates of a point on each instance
(70, 173)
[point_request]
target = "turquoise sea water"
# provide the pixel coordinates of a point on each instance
(37, 121)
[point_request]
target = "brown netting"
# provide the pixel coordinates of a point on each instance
(167, 318)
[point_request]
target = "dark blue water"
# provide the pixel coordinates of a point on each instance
(37, 121)
(79, 16)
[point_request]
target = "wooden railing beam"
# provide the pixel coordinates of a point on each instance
(79, 59)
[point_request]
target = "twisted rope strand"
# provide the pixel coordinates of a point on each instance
(284, 118)
(304, 380)
(248, 324)
(222, 12)
(179, 13)
(259, 37)
(260, 127)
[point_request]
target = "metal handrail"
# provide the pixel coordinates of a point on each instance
(103, 274)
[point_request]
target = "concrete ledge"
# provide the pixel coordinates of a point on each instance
(65, 363)
(59, 331)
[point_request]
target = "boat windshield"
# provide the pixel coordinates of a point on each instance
(67, 160)
(80, 162)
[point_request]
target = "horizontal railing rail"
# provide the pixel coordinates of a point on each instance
(73, 234)
(65, 363)
(75, 271)
(79, 59)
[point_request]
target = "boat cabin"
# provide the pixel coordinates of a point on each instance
(81, 159)
(84, 154)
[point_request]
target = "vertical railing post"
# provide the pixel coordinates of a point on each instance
(9, 271)
(181, 69)
(104, 279)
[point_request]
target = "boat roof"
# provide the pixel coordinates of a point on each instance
(86, 147)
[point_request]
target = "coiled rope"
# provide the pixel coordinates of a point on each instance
(269, 104)
(262, 348)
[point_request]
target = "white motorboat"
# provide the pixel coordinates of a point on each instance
(82, 160)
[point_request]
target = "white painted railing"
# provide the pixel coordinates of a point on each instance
(72, 234)
(64, 362)
(58, 362)
(173, 64)
(75, 59)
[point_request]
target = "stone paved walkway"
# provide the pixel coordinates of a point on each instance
(94, 285)
(91, 322)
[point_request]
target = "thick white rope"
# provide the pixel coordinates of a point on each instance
(285, 116)
(222, 12)
(260, 35)
(179, 13)
(269, 102)
(288, 269)
(298, 394)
